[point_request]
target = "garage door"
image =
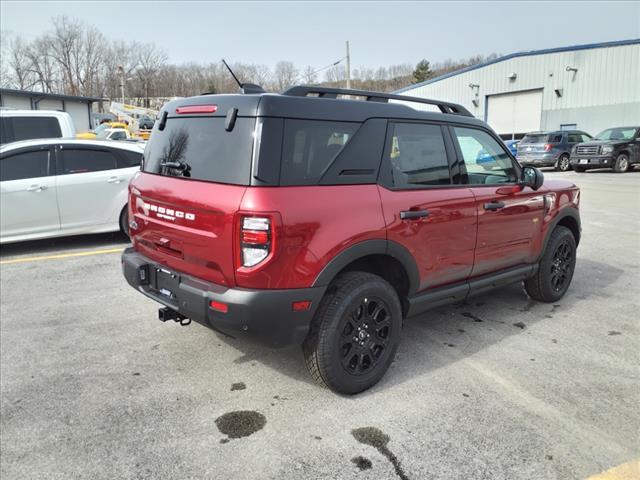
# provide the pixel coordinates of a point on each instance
(515, 113)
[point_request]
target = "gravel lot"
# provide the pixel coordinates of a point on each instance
(501, 387)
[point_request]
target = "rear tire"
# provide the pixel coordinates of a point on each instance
(563, 164)
(555, 269)
(622, 164)
(355, 333)
(124, 221)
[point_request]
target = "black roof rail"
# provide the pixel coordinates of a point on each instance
(326, 92)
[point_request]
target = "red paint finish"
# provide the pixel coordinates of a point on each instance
(194, 233)
(315, 224)
(442, 243)
(506, 236)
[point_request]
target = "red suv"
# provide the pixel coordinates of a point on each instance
(312, 218)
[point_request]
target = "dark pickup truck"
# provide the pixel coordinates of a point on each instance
(617, 148)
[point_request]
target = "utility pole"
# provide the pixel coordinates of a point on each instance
(121, 71)
(348, 66)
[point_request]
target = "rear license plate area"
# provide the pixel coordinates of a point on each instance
(167, 283)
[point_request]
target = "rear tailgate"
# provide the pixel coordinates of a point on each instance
(187, 225)
(195, 173)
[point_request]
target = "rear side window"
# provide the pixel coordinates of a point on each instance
(309, 148)
(200, 148)
(24, 165)
(128, 159)
(85, 160)
(417, 156)
(26, 128)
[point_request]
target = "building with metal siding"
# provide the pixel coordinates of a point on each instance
(588, 87)
(80, 108)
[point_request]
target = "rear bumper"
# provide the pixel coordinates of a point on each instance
(600, 161)
(263, 316)
(538, 160)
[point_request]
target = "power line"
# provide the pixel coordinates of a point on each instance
(321, 69)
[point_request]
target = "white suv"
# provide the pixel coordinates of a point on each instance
(18, 125)
(56, 187)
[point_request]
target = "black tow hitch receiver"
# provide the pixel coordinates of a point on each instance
(167, 313)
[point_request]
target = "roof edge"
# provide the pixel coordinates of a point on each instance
(526, 53)
(62, 96)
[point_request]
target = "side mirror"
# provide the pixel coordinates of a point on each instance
(532, 177)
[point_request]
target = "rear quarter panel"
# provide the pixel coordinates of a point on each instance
(317, 223)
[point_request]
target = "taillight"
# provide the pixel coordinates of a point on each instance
(547, 147)
(256, 240)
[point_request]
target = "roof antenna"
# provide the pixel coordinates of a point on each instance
(244, 87)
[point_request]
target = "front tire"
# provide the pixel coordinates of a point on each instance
(563, 163)
(555, 269)
(355, 333)
(622, 164)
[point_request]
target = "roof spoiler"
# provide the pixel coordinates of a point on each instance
(324, 92)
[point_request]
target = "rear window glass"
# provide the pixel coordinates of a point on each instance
(536, 138)
(200, 148)
(310, 146)
(26, 128)
(24, 165)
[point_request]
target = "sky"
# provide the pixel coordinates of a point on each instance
(314, 33)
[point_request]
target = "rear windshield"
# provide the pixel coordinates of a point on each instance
(199, 148)
(536, 138)
(13, 129)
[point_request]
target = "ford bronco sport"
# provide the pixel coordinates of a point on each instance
(311, 218)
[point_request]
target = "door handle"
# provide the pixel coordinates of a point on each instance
(36, 188)
(495, 205)
(114, 180)
(409, 214)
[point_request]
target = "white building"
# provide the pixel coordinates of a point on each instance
(586, 87)
(80, 108)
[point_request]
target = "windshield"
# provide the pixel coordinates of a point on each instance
(617, 134)
(101, 128)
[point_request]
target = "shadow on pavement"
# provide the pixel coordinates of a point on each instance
(447, 334)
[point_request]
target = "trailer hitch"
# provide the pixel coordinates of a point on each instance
(166, 313)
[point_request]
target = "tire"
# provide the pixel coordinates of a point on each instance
(555, 269)
(578, 169)
(622, 164)
(124, 221)
(563, 165)
(339, 351)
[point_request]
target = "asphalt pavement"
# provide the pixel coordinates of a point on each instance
(93, 386)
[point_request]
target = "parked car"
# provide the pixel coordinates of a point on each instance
(16, 125)
(617, 148)
(512, 145)
(146, 123)
(56, 187)
(375, 212)
(550, 149)
(114, 134)
(93, 134)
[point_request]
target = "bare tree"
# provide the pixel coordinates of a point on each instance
(20, 65)
(43, 64)
(286, 74)
(151, 59)
(309, 75)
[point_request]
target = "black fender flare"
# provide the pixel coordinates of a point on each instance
(562, 214)
(371, 247)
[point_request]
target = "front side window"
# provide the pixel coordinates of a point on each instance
(85, 160)
(417, 156)
(24, 165)
(310, 146)
(485, 160)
